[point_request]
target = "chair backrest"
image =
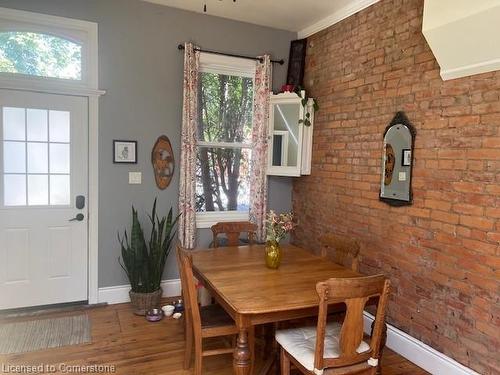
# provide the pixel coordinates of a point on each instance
(232, 230)
(354, 292)
(189, 293)
(343, 250)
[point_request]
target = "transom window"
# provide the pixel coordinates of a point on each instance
(40, 55)
(36, 157)
(224, 138)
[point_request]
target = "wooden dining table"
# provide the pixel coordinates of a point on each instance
(253, 294)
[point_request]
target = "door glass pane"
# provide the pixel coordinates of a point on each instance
(14, 157)
(37, 124)
(38, 190)
(14, 189)
(59, 189)
(37, 158)
(59, 126)
(59, 158)
(13, 124)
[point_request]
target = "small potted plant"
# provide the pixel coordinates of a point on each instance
(305, 103)
(277, 226)
(144, 262)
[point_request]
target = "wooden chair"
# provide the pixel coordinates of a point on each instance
(233, 230)
(334, 349)
(203, 322)
(342, 250)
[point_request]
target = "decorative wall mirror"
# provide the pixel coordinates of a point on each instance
(397, 161)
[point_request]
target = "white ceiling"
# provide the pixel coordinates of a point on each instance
(303, 16)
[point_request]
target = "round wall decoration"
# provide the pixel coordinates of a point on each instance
(162, 158)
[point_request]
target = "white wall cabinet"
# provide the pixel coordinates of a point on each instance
(290, 142)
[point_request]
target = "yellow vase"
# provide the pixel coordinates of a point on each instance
(273, 254)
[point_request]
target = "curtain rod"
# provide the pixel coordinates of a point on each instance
(281, 62)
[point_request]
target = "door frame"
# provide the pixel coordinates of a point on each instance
(86, 33)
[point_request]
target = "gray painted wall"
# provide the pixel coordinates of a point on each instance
(141, 70)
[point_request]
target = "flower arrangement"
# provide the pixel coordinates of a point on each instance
(278, 225)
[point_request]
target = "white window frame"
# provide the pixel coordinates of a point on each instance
(85, 33)
(234, 66)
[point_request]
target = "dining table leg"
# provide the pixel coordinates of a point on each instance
(242, 355)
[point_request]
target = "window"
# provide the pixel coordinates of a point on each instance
(36, 157)
(224, 134)
(47, 53)
(40, 55)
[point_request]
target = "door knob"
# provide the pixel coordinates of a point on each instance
(78, 217)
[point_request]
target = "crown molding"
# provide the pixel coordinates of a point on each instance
(335, 17)
(469, 70)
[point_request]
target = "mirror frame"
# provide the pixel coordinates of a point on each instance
(400, 119)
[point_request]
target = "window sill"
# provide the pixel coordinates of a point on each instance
(207, 219)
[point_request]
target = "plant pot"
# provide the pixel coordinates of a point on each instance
(273, 254)
(143, 302)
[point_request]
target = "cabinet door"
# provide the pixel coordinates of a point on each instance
(307, 141)
(285, 137)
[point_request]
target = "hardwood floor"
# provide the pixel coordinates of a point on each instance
(136, 347)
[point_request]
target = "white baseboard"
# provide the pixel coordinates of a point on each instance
(119, 293)
(419, 353)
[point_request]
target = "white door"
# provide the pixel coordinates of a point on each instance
(43, 185)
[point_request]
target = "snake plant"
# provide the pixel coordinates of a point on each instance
(144, 262)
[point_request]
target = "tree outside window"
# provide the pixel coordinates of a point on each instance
(40, 55)
(225, 107)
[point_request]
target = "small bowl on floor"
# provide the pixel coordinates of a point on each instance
(154, 315)
(177, 315)
(168, 310)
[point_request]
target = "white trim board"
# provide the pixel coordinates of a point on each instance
(119, 293)
(349, 10)
(419, 353)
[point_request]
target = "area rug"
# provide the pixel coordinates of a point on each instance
(28, 336)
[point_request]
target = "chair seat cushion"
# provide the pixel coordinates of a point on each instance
(300, 343)
(214, 316)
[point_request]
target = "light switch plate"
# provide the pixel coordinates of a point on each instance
(135, 178)
(402, 176)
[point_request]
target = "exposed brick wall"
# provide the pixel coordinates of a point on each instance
(441, 253)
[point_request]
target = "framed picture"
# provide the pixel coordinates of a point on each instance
(406, 162)
(125, 152)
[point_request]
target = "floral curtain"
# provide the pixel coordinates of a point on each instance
(187, 209)
(258, 184)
